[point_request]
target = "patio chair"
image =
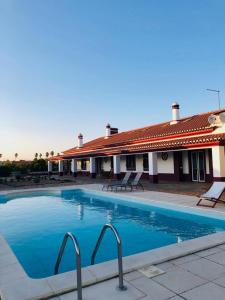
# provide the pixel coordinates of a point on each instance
(213, 194)
(115, 184)
(135, 184)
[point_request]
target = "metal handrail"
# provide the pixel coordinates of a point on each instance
(119, 248)
(78, 261)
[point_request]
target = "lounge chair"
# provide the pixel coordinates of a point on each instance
(213, 194)
(115, 184)
(135, 184)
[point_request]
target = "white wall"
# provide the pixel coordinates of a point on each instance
(106, 164)
(123, 163)
(218, 157)
(139, 163)
(207, 161)
(185, 162)
(166, 166)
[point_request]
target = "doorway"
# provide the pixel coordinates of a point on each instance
(99, 166)
(198, 166)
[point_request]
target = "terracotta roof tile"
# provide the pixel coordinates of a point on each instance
(196, 124)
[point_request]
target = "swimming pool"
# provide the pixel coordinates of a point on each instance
(34, 225)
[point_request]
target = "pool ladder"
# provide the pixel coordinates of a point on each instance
(68, 235)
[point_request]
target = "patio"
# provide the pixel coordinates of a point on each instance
(191, 270)
(193, 277)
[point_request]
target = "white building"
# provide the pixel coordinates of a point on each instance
(183, 149)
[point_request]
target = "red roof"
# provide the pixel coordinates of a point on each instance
(152, 137)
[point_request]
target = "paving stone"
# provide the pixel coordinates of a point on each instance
(220, 281)
(218, 257)
(222, 246)
(7, 259)
(184, 259)
(151, 271)
(204, 268)
(176, 298)
(179, 280)
(208, 252)
(106, 290)
(166, 266)
(209, 291)
(173, 298)
(132, 275)
(26, 289)
(152, 289)
(9, 274)
(68, 280)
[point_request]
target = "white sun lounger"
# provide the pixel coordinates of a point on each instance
(213, 194)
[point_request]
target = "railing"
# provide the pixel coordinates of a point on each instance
(78, 261)
(119, 249)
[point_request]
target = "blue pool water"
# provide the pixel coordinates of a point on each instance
(34, 225)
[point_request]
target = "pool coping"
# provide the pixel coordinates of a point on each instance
(16, 284)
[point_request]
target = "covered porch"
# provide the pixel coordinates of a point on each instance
(180, 165)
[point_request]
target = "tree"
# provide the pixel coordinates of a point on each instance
(40, 155)
(46, 154)
(0, 155)
(39, 165)
(52, 153)
(36, 155)
(16, 155)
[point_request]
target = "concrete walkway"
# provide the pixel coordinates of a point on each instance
(200, 276)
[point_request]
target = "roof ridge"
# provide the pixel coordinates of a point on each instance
(166, 122)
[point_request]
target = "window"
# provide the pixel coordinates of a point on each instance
(131, 162)
(145, 162)
(83, 164)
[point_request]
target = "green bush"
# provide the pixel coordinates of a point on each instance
(5, 170)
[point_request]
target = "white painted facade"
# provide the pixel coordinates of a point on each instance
(165, 166)
(218, 156)
(185, 162)
(197, 155)
(157, 165)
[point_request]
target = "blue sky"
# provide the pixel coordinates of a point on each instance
(73, 66)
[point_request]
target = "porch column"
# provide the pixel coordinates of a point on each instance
(153, 167)
(116, 166)
(74, 167)
(92, 167)
(218, 162)
(60, 167)
(49, 167)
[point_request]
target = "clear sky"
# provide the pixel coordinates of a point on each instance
(70, 66)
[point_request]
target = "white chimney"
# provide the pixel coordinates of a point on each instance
(107, 131)
(80, 141)
(175, 113)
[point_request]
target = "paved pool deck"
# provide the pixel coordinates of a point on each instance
(191, 270)
(199, 276)
(172, 199)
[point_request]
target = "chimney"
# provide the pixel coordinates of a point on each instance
(175, 113)
(80, 141)
(107, 131)
(110, 131)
